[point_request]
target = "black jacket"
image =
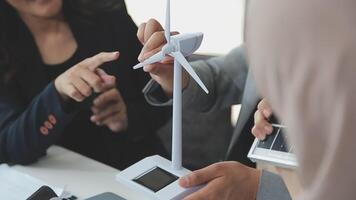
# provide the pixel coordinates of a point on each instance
(33, 117)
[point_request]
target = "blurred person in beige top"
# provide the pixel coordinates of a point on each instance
(309, 79)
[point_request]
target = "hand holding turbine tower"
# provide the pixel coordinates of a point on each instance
(154, 171)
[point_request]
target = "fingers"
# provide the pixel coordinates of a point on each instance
(92, 79)
(141, 33)
(85, 77)
(147, 53)
(110, 96)
(109, 109)
(96, 61)
(106, 105)
(151, 27)
(82, 87)
(151, 34)
(100, 115)
(96, 78)
(73, 93)
(258, 133)
(211, 191)
(108, 80)
(265, 108)
(201, 176)
(158, 69)
(117, 122)
(262, 127)
(153, 45)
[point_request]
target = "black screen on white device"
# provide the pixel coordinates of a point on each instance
(156, 179)
(276, 141)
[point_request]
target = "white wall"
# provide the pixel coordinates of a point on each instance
(220, 20)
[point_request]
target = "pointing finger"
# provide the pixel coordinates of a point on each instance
(96, 61)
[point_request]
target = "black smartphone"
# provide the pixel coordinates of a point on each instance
(44, 193)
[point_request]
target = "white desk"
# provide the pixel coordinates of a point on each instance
(83, 176)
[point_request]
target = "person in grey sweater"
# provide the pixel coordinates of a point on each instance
(229, 82)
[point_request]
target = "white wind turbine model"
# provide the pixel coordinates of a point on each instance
(155, 176)
(178, 46)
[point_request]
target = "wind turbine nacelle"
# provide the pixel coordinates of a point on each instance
(188, 43)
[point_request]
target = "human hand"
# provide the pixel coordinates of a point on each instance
(225, 181)
(79, 81)
(109, 109)
(262, 126)
(151, 35)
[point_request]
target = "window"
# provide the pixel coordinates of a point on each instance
(221, 21)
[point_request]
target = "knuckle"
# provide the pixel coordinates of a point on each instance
(218, 167)
(193, 178)
(259, 125)
(152, 21)
(72, 74)
(79, 65)
(96, 81)
(83, 63)
(157, 34)
(259, 117)
(253, 131)
(142, 25)
(103, 98)
(87, 92)
(257, 133)
(259, 106)
(74, 93)
(256, 115)
(264, 104)
(99, 100)
(141, 29)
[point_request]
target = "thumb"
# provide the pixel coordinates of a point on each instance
(199, 177)
(108, 80)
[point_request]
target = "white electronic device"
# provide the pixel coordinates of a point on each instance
(274, 149)
(155, 176)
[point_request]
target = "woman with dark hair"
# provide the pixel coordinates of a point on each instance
(57, 88)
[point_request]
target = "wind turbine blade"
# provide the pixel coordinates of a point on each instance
(138, 66)
(153, 59)
(181, 59)
(167, 31)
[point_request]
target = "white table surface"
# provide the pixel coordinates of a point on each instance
(83, 176)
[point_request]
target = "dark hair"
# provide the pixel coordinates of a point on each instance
(74, 10)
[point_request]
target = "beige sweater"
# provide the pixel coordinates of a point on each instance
(303, 55)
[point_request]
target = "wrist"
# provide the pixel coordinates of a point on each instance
(61, 94)
(254, 176)
(169, 90)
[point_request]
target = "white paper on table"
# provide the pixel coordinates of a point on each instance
(15, 185)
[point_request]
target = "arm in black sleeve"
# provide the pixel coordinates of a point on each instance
(26, 131)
